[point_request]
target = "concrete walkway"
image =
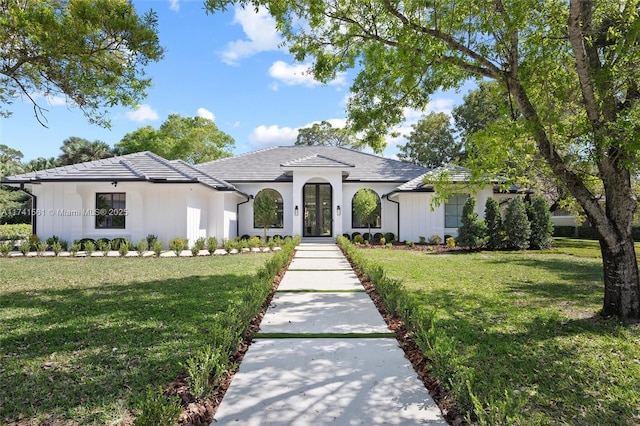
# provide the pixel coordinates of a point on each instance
(324, 355)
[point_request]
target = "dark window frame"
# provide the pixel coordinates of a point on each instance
(354, 220)
(111, 210)
(279, 222)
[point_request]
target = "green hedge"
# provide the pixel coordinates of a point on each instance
(15, 232)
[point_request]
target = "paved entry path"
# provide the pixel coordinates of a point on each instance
(324, 356)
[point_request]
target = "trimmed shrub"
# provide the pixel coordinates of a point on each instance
(177, 245)
(83, 243)
(157, 409)
(422, 240)
(41, 247)
(141, 247)
(156, 247)
(353, 235)
(358, 239)
(104, 245)
(473, 231)
(212, 244)
(116, 242)
(5, 248)
(493, 221)
(75, 248)
(390, 237)
(57, 248)
(377, 237)
(450, 242)
(587, 232)
(124, 248)
(89, 247)
(516, 225)
(435, 239)
(347, 236)
(541, 226)
(15, 232)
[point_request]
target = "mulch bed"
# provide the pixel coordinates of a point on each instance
(201, 412)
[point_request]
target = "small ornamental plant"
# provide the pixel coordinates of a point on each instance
(5, 248)
(212, 244)
(104, 246)
(41, 247)
(25, 247)
(177, 245)
(141, 247)
(124, 248)
(156, 247)
(435, 239)
(450, 242)
(75, 248)
(89, 248)
(56, 247)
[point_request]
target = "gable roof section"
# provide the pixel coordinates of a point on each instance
(140, 166)
(272, 165)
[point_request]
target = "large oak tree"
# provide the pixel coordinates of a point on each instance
(570, 67)
(92, 52)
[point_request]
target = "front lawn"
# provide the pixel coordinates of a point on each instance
(515, 336)
(81, 339)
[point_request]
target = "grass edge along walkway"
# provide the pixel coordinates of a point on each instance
(514, 337)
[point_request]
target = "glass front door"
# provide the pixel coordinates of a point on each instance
(317, 210)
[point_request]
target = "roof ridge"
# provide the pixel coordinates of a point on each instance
(193, 167)
(244, 154)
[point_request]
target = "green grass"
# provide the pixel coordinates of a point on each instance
(516, 336)
(81, 339)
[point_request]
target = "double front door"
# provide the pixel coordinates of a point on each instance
(317, 210)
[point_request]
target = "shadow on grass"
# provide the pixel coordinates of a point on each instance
(566, 370)
(80, 353)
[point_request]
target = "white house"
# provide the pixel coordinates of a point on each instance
(138, 194)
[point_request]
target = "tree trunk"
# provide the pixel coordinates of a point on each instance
(621, 287)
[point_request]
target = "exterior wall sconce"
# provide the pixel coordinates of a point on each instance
(339, 211)
(296, 211)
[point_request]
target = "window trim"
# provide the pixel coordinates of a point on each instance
(378, 224)
(459, 206)
(280, 211)
(113, 211)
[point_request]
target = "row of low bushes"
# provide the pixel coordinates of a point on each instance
(417, 317)
(33, 243)
(208, 368)
(375, 238)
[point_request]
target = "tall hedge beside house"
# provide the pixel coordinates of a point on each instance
(493, 220)
(516, 225)
(473, 231)
(541, 225)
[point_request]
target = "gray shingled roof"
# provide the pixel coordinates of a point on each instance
(140, 166)
(272, 164)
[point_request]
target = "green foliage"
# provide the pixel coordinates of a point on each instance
(212, 244)
(516, 225)
(422, 240)
(150, 239)
(156, 247)
(56, 247)
(493, 220)
(104, 245)
(5, 248)
(89, 247)
(25, 247)
(74, 248)
(473, 231)
(198, 245)
(365, 206)
(141, 247)
(409, 243)
(265, 209)
(123, 250)
(541, 226)
(431, 142)
(79, 150)
(177, 245)
(90, 51)
(41, 247)
(383, 241)
(209, 361)
(358, 239)
(155, 409)
(325, 134)
(15, 232)
(435, 239)
(192, 139)
(450, 242)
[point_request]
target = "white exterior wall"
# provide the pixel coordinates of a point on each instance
(166, 210)
(419, 218)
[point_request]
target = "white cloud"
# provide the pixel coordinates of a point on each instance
(174, 5)
(260, 30)
(205, 113)
(299, 75)
(265, 136)
(143, 113)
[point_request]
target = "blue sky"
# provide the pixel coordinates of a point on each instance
(227, 67)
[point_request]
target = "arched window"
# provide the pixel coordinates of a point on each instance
(376, 223)
(279, 217)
